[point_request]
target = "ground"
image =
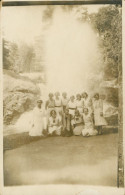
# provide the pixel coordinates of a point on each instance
(63, 160)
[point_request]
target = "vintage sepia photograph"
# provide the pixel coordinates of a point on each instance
(61, 95)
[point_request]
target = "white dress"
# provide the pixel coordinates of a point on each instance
(38, 122)
(80, 105)
(71, 107)
(88, 126)
(97, 109)
(65, 101)
(88, 103)
(58, 105)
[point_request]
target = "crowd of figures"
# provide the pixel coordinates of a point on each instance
(60, 115)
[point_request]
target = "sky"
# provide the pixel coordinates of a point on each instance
(24, 23)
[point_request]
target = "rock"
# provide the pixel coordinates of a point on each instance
(19, 96)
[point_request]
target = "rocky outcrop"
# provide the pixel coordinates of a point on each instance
(19, 95)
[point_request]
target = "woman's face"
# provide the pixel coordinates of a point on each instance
(64, 95)
(97, 96)
(78, 97)
(72, 98)
(53, 114)
(39, 105)
(86, 111)
(50, 96)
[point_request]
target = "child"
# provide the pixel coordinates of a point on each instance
(88, 124)
(54, 126)
(77, 123)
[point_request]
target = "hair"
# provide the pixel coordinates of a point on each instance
(39, 101)
(72, 96)
(78, 95)
(86, 109)
(96, 94)
(57, 93)
(64, 93)
(50, 94)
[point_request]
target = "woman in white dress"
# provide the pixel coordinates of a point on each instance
(79, 103)
(99, 120)
(38, 120)
(54, 126)
(88, 124)
(58, 104)
(87, 101)
(64, 101)
(72, 105)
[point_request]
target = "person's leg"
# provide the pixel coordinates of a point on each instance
(100, 130)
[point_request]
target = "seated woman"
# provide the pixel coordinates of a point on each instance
(66, 123)
(54, 126)
(88, 124)
(77, 123)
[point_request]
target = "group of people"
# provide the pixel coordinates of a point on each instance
(60, 115)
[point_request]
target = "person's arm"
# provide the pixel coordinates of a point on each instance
(101, 107)
(46, 105)
(82, 103)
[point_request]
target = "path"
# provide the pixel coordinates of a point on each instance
(59, 160)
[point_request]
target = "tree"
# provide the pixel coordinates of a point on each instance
(6, 52)
(108, 23)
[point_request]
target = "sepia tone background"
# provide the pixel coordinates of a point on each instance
(109, 87)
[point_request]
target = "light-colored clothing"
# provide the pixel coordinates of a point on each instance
(88, 126)
(38, 122)
(54, 125)
(80, 105)
(50, 104)
(98, 109)
(58, 105)
(77, 121)
(64, 103)
(71, 107)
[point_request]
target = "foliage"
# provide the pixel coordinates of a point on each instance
(18, 58)
(108, 24)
